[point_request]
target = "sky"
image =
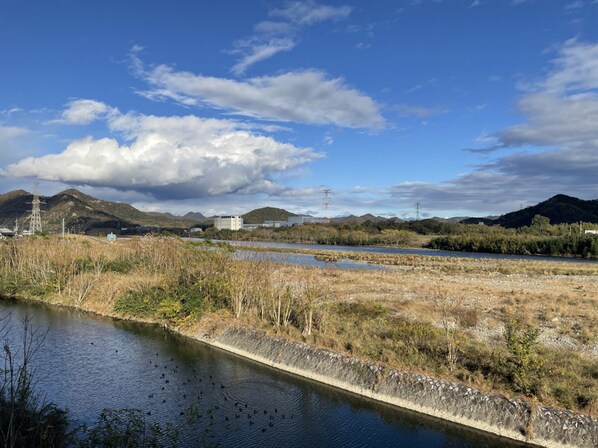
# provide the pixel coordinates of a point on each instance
(465, 107)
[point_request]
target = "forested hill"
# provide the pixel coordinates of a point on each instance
(81, 212)
(259, 215)
(560, 209)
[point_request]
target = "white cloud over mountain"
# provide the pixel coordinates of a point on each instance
(170, 157)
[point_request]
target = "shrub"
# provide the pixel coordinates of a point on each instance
(523, 368)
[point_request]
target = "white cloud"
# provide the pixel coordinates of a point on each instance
(273, 37)
(575, 69)
(8, 136)
(256, 52)
(10, 132)
(408, 110)
(307, 96)
(171, 157)
(309, 12)
(82, 112)
(561, 116)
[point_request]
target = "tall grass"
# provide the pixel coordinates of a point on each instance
(179, 284)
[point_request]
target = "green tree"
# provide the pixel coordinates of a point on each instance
(523, 368)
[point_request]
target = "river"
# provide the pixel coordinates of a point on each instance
(309, 260)
(88, 363)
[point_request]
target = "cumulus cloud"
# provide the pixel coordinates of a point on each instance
(82, 111)
(308, 96)
(272, 37)
(561, 113)
(170, 158)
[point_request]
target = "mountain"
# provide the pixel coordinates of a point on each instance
(560, 209)
(259, 215)
(460, 219)
(352, 219)
(195, 216)
(81, 212)
(191, 217)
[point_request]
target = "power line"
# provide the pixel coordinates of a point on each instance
(326, 201)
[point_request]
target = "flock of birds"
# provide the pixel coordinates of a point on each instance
(197, 396)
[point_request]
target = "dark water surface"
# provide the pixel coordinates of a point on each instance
(89, 363)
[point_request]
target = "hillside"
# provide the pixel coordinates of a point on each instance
(352, 219)
(190, 217)
(259, 215)
(82, 213)
(560, 209)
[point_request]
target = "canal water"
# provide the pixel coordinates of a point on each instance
(88, 363)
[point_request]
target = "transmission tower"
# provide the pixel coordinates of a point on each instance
(417, 211)
(35, 221)
(326, 201)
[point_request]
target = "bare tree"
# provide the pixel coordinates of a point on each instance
(448, 309)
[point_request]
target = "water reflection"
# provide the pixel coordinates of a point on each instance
(88, 364)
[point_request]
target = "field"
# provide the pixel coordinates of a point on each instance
(522, 328)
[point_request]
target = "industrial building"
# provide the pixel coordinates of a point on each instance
(228, 222)
(303, 219)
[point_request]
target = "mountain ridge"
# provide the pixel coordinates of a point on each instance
(560, 209)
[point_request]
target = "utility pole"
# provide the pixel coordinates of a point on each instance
(62, 228)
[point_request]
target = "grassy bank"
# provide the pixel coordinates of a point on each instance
(497, 325)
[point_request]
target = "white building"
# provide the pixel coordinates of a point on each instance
(228, 222)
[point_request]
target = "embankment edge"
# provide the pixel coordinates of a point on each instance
(513, 419)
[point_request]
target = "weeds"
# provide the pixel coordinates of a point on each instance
(426, 314)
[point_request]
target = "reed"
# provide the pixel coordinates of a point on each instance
(443, 316)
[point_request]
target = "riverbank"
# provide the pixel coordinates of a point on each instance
(523, 330)
(513, 419)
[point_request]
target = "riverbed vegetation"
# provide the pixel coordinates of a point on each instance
(540, 238)
(523, 328)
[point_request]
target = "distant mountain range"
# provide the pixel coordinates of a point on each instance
(84, 213)
(560, 209)
(352, 219)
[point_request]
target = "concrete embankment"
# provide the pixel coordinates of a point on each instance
(514, 419)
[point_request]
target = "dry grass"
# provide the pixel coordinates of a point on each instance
(442, 316)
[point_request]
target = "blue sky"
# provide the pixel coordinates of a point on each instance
(468, 107)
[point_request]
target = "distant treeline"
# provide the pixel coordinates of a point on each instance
(520, 244)
(540, 238)
(320, 234)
